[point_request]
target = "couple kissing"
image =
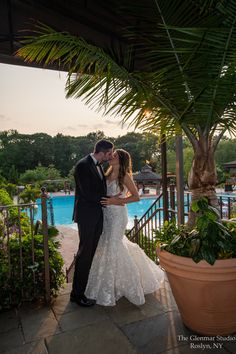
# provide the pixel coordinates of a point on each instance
(108, 266)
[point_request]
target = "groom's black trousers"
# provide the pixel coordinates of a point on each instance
(90, 228)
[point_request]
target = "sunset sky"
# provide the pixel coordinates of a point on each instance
(33, 100)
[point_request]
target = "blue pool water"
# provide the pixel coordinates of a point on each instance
(63, 209)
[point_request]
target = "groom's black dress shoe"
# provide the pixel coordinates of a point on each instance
(82, 300)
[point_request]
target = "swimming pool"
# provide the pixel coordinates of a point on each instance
(63, 209)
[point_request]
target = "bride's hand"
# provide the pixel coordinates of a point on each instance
(114, 200)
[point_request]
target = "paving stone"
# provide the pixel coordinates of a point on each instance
(124, 312)
(37, 347)
(10, 339)
(152, 306)
(38, 323)
(82, 317)
(63, 305)
(166, 298)
(8, 321)
(230, 345)
(155, 334)
(66, 289)
(104, 338)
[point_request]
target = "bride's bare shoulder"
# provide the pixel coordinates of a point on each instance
(128, 179)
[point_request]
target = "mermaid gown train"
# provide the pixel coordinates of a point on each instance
(120, 267)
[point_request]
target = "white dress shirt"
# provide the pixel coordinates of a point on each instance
(98, 168)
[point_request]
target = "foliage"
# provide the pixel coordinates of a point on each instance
(234, 211)
(2, 179)
(29, 194)
(15, 225)
(5, 199)
(209, 240)
(191, 64)
(52, 231)
(142, 147)
(60, 160)
(40, 174)
(32, 282)
(148, 245)
(13, 175)
(226, 152)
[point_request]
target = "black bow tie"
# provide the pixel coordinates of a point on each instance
(98, 163)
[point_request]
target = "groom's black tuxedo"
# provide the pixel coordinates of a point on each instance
(89, 190)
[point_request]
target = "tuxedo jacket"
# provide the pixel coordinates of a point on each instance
(89, 189)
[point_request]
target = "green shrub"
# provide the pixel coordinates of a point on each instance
(30, 194)
(32, 282)
(10, 188)
(5, 199)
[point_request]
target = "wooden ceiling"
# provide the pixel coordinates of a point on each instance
(95, 20)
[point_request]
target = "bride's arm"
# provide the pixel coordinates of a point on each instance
(133, 194)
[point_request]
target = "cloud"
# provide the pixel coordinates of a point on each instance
(98, 126)
(3, 118)
(112, 122)
(74, 128)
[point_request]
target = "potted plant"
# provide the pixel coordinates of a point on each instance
(205, 294)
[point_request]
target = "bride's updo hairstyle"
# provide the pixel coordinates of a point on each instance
(125, 166)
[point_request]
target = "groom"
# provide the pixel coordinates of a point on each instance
(90, 187)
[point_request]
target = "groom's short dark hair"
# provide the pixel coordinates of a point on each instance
(103, 146)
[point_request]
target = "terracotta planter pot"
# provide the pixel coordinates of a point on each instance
(205, 294)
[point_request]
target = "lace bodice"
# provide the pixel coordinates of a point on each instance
(113, 189)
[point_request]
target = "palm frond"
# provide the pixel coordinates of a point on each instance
(187, 75)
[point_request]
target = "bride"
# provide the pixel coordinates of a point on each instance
(120, 267)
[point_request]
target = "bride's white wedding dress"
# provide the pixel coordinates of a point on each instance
(120, 267)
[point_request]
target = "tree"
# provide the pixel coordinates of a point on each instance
(40, 174)
(63, 158)
(178, 74)
(13, 174)
(226, 152)
(142, 147)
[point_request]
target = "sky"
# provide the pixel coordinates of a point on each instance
(33, 101)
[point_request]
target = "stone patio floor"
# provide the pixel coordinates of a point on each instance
(65, 328)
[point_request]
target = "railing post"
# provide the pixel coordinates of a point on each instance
(45, 243)
(164, 178)
(51, 211)
(179, 179)
(172, 199)
(136, 228)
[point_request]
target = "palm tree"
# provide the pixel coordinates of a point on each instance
(178, 74)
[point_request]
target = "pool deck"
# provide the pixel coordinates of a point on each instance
(65, 328)
(69, 243)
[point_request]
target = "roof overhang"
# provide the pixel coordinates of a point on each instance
(96, 21)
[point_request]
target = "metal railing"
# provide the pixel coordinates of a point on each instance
(13, 249)
(143, 232)
(227, 206)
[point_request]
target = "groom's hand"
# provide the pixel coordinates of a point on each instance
(114, 200)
